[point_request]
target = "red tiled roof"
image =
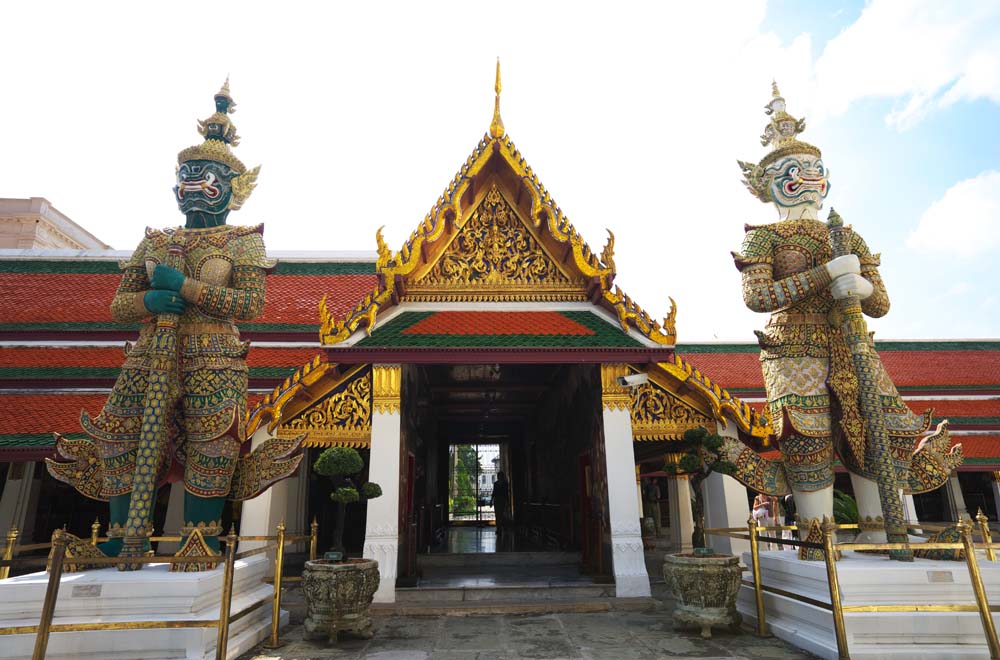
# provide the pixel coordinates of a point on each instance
(113, 356)
(929, 368)
(981, 447)
(961, 408)
(294, 299)
(45, 413)
(908, 368)
(86, 297)
(497, 323)
(49, 297)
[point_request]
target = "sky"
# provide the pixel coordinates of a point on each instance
(632, 114)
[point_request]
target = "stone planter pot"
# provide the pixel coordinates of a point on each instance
(338, 596)
(705, 588)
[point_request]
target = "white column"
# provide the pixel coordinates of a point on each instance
(261, 514)
(681, 520)
(995, 487)
(382, 524)
(20, 495)
(175, 519)
(726, 502)
(628, 561)
(726, 506)
(956, 501)
(298, 506)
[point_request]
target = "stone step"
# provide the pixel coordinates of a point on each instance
(504, 593)
(471, 608)
(487, 559)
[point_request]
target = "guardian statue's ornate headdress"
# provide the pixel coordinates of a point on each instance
(220, 133)
(781, 133)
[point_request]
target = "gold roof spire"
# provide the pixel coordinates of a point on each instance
(496, 126)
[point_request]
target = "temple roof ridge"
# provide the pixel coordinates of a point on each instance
(445, 219)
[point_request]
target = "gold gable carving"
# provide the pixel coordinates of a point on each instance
(659, 415)
(342, 419)
(494, 257)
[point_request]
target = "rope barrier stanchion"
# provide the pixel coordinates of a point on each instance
(8, 551)
(965, 529)
(279, 564)
(51, 593)
(984, 529)
(829, 528)
(222, 641)
(757, 586)
(95, 531)
(313, 538)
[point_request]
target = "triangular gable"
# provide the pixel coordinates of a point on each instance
(458, 254)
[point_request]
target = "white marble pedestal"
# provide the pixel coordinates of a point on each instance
(152, 594)
(875, 580)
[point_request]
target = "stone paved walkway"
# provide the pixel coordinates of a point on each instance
(614, 635)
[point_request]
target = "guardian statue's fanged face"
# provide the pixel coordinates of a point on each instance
(797, 180)
(204, 186)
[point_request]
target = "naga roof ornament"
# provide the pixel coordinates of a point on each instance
(220, 135)
(781, 133)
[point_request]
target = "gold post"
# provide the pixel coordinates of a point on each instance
(8, 551)
(313, 538)
(279, 562)
(51, 593)
(829, 528)
(222, 642)
(965, 529)
(95, 531)
(984, 528)
(758, 588)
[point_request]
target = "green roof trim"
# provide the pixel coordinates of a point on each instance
(110, 373)
(106, 267)
(60, 267)
(937, 345)
(680, 349)
(605, 335)
(935, 387)
(36, 440)
(325, 268)
(90, 326)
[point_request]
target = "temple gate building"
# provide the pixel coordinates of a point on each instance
(494, 327)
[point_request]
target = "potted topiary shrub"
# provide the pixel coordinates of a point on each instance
(705, 583)
(338, 590)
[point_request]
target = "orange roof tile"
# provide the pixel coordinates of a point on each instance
(497, 323)
(45, 413)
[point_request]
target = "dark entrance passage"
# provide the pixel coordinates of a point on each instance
(464, 424)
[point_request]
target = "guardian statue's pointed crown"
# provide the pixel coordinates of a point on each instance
(781, 133)
(220, 134)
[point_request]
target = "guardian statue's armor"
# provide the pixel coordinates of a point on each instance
(178, 407)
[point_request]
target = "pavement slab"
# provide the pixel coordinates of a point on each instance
(608, 635)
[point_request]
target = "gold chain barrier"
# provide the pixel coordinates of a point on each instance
(830, 549)
(58, 560)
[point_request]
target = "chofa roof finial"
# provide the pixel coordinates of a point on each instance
(496, 126)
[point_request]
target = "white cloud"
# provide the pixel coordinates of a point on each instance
(925, 53)
(964, 222)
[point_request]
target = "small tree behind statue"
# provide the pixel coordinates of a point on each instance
(343, 465)
(703, 456)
